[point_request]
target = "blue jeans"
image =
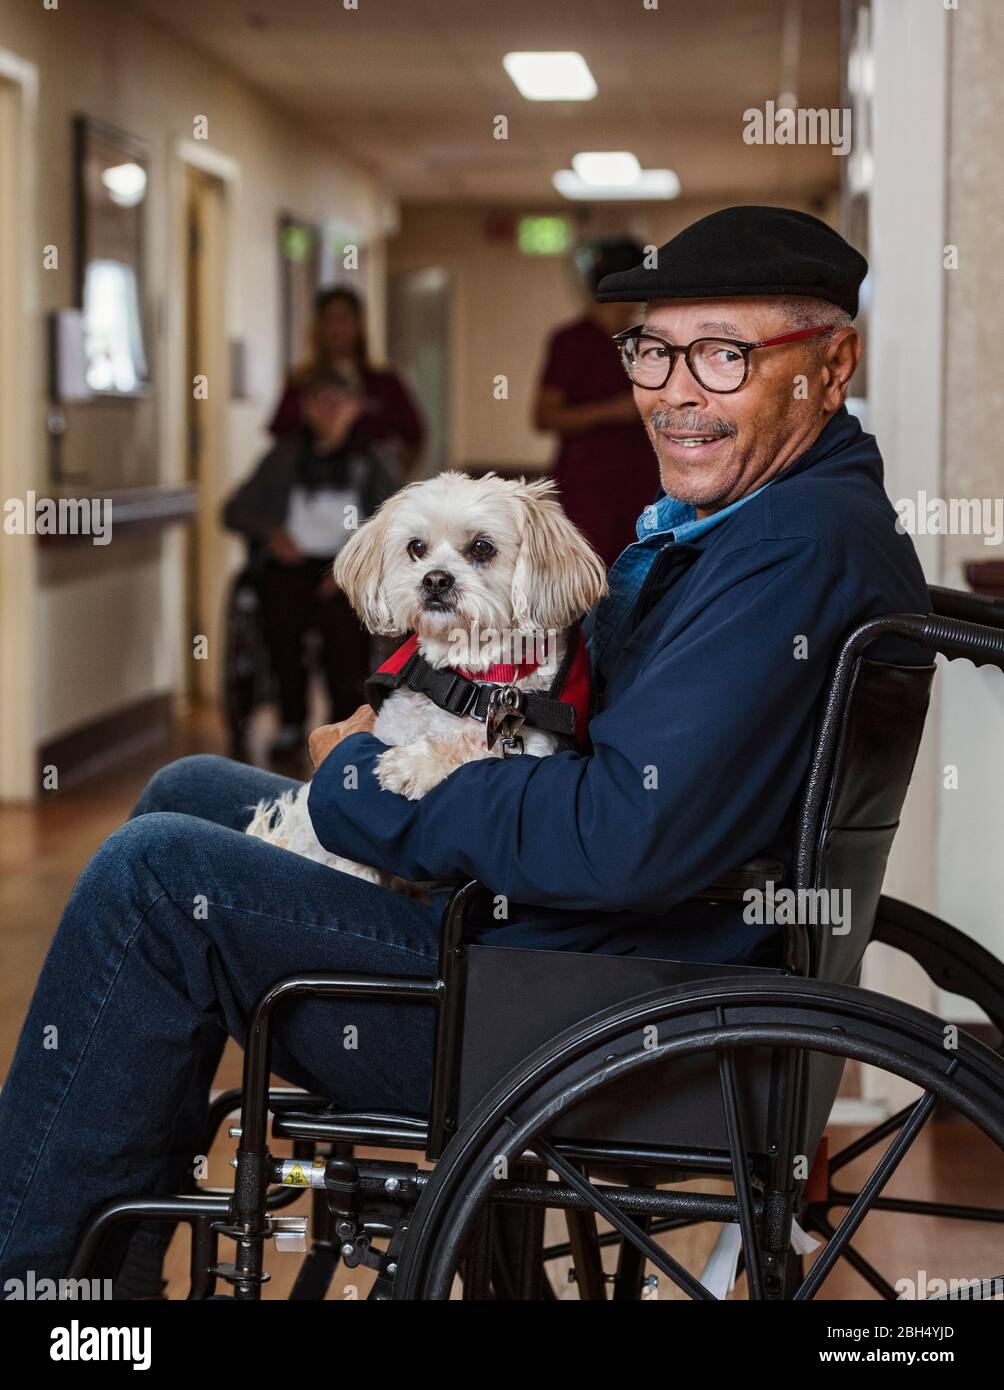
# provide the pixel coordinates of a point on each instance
(174, 929)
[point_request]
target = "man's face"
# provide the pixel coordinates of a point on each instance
(744, 437)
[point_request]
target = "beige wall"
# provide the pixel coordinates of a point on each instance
(100, 60)
(935, 403)
(972, 705)
(504, 305)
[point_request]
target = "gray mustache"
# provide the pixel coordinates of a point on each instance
(690, 424)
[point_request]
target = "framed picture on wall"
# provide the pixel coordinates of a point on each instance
(111, 172)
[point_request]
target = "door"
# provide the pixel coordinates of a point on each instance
(20, 428)
(206, 389)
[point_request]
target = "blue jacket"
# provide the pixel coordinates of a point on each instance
(700, 746)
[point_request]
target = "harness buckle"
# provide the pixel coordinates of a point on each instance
(470, 695)
(503, 717)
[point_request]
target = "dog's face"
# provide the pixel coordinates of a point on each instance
(457, 552)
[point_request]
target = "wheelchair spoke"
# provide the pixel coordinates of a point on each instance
(659, 1257)
(657, 1226)
(950, 1211)
(884, 1170)
(740, 1168)
(869, 1140)
(856, 1260)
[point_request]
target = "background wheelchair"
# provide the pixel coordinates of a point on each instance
(247, 673)
(596, 1085)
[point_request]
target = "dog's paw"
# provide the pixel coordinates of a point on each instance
(412, 769)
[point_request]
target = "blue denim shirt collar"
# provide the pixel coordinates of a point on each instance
(668, 518)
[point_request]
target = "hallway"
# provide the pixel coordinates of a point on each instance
(263, 267)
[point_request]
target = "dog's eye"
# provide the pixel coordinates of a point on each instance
(481, 549)
(416, 548)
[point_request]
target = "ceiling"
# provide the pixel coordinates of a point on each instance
(409, 88)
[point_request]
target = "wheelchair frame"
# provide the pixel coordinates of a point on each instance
(355, 1198)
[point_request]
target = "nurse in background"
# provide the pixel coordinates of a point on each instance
(605, 467)
(390, 419)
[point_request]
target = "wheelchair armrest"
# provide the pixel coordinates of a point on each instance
(970, 608)
(756, 874)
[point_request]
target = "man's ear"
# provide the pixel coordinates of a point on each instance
(557, 577)
(840, 361)
(359, 570)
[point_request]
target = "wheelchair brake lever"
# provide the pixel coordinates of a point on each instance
(357, 1250)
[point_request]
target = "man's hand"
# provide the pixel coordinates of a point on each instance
(328, 736)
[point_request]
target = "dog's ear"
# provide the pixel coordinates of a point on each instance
(558, 576)
(359, 570)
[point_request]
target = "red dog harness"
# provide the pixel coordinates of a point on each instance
(491, 696)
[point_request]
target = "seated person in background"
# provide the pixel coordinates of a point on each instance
(299, 507)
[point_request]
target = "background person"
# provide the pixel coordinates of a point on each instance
(390, 418)
(298, 508)
(605, 468)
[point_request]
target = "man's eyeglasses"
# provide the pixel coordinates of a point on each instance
(718, 364)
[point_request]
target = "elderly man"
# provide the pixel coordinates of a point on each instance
(770, 536)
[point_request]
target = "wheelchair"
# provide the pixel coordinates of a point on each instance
(597, 1086)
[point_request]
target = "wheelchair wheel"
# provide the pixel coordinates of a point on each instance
(451, 1228)
(246, 667)
(951, 959)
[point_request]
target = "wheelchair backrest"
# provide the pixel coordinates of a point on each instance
(862, 763)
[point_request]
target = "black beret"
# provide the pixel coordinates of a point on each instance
(746, 251)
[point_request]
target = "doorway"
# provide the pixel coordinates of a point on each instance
(206, 388)
(418, 341)
(20, 438)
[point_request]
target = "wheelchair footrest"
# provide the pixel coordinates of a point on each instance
(233, 1275)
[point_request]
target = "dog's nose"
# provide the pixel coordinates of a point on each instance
(437, 581)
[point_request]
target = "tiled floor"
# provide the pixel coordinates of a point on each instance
(43, 849)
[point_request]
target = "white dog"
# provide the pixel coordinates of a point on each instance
(491, 578)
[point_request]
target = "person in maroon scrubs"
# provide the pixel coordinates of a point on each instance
(605, 468)
(338, 343)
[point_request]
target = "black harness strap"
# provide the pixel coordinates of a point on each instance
(459, 695)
